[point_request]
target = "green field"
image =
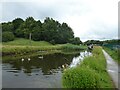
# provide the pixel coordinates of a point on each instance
(19, 46)
(91, 73)
(113, 53)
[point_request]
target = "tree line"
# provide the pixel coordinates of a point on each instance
(50, 30)
(105, 42)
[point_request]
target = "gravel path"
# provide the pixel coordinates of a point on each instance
(112, 68)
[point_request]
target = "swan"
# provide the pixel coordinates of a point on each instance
(28, 59)
(40, 57)
(22, 59)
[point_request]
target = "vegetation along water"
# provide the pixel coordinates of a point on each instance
(91, 73)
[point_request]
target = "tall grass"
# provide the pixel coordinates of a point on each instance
(90, 74)
(71, 47)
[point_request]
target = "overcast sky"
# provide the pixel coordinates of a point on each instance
(89, 19)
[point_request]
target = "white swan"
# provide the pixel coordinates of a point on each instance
(28, 59)
(40, 57)
(22, 59)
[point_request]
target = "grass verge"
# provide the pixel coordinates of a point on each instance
(91, 73)
(115, 54)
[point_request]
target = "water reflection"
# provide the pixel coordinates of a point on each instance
(76, 60)
(49, 64)
(40, 71)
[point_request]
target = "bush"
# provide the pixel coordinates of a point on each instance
(76, 41)
(7, 36)
(80, 78)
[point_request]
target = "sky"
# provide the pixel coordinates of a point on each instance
(89, 19)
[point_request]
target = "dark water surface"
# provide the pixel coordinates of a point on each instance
(41, 71)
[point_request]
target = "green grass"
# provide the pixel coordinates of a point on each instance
(24, 46)
(91, 73)
(113, 53)
(26, 42)
(80, 78)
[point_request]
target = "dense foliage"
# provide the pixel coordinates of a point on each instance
(50, 30)
(7, 36)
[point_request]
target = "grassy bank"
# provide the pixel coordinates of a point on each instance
(23, 46)
(113, 53)
(91, 73)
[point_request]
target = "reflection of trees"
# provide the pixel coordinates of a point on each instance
(48, 64)
(76, 55)
(54, 61)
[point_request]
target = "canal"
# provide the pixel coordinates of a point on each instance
(39, 71)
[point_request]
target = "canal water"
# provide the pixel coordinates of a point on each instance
(39, 71)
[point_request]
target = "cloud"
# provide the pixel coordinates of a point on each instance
(89, 19)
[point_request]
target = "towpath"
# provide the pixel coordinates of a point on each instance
(112, 68)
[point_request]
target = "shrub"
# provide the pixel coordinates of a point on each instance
(76, 41)
(7, 36)
(80, 78)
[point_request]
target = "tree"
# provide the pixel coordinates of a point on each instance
(76, 41)
(16, 24)
(7, 27)
(53, 31)
(67, 33)
(26, 28)
(37, 32)
(50, 29)
(93, 42)
(7, 36)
